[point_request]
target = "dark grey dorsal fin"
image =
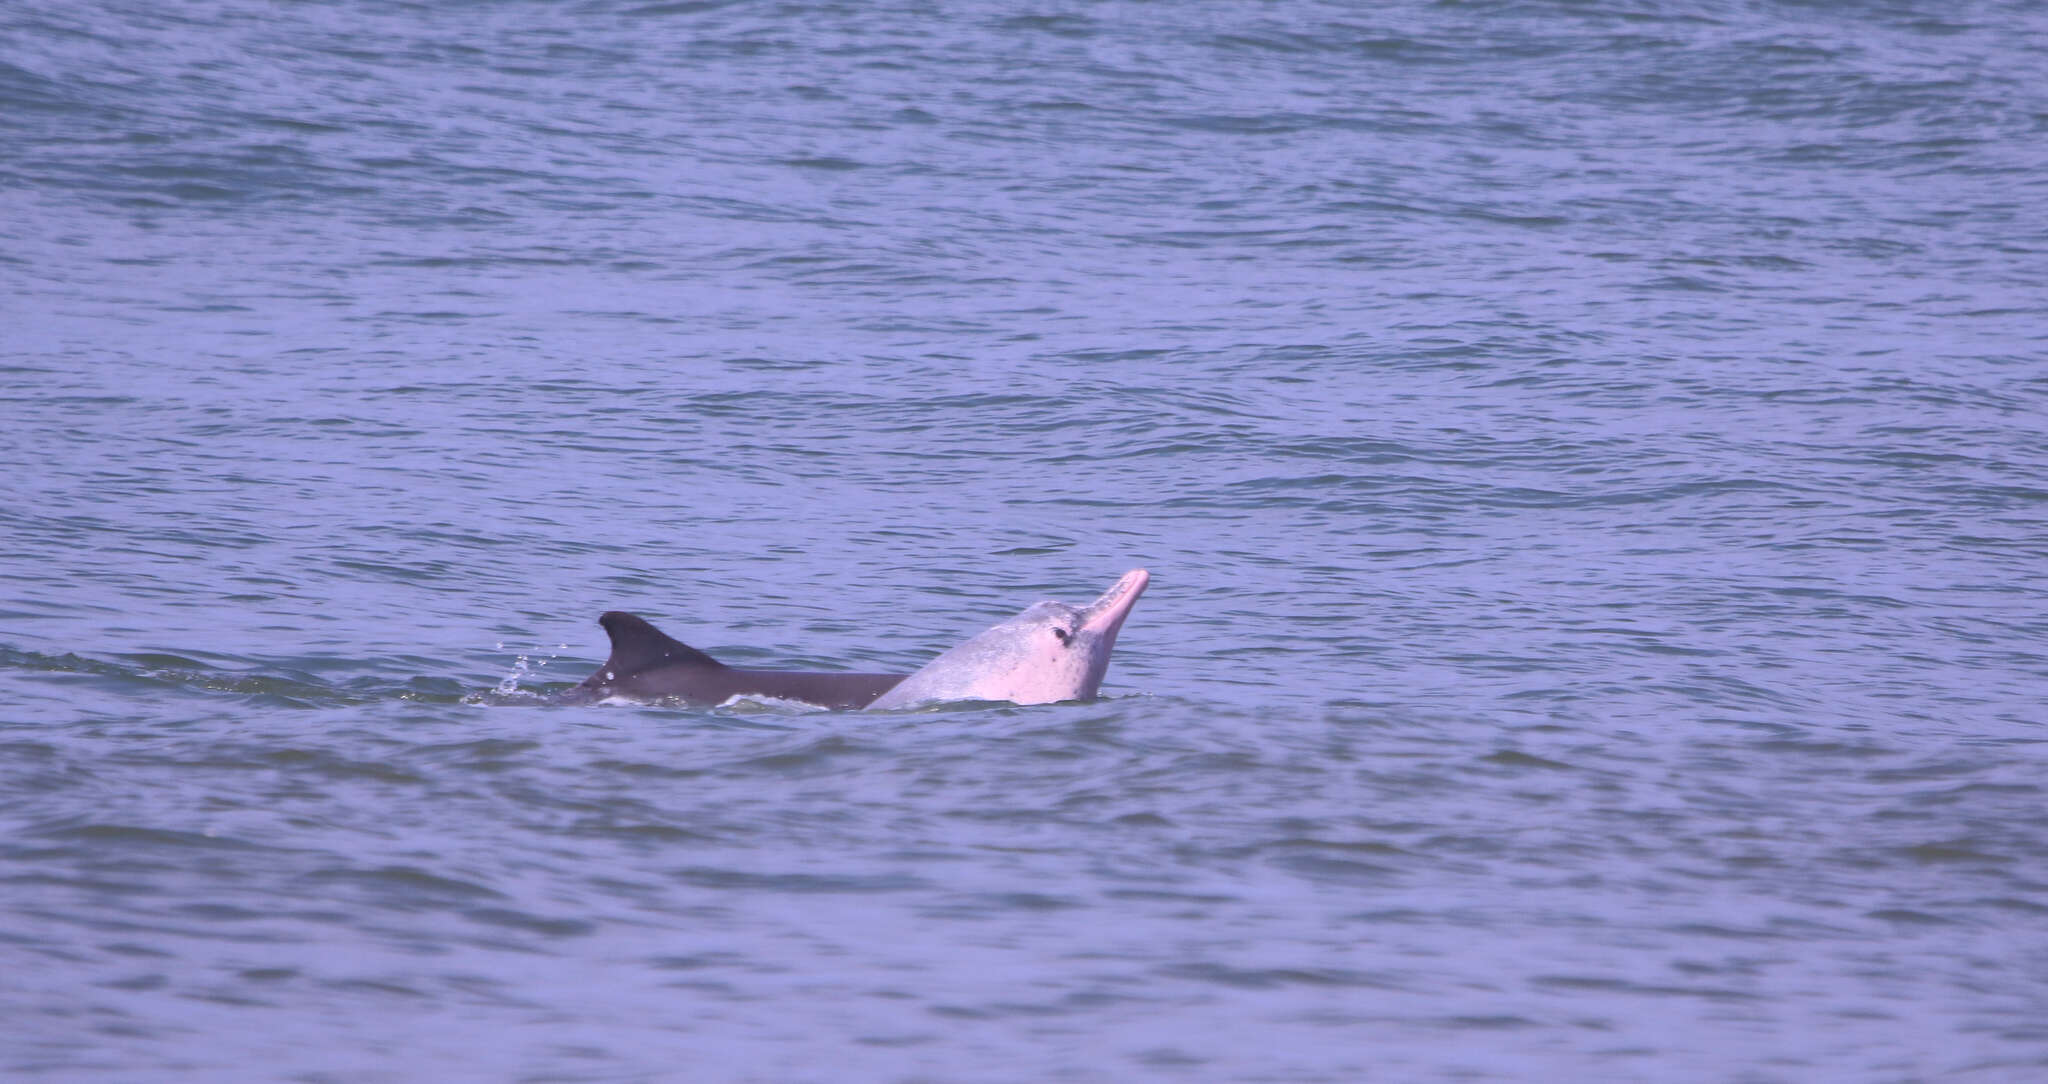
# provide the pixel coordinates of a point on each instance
(637, 645)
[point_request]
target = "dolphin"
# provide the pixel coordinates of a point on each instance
(646, 664)
(1049, 653)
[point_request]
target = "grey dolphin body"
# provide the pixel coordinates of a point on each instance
(1049, 653)
(646, 664)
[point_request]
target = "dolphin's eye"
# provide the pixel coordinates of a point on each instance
(1065, 636)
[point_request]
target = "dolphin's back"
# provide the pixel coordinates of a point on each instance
(648, 664)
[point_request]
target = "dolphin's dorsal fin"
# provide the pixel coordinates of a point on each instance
(637, 645)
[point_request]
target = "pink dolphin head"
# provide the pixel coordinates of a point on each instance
(1049, 653)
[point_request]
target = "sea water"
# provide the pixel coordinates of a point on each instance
(1590, 456)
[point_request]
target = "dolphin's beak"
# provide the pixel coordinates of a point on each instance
(1105, 615)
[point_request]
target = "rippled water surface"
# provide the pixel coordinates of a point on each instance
(1590, 459)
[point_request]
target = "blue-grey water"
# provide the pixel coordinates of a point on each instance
(1592, 458)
